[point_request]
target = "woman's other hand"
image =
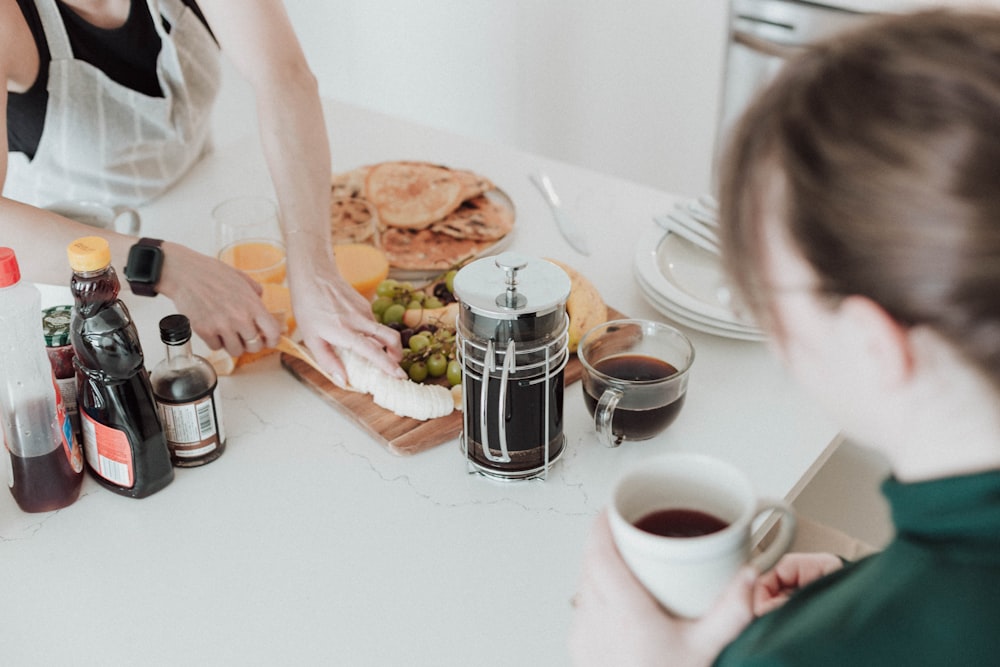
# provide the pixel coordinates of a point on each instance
(792, 572)
(331, 314)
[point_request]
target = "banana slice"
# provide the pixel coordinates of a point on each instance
(403, 397)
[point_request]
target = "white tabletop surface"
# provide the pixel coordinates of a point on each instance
(307, 542)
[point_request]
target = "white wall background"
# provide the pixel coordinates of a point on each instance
(629, 87)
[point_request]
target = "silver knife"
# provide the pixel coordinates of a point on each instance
(569, 229)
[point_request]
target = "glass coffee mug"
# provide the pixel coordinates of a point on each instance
(635, 376)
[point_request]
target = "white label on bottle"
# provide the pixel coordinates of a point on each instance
(67, 388)
(190, 428)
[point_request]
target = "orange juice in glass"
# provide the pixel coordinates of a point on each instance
(248, 237)
(262, 259)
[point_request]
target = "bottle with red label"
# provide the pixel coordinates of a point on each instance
(46, 464)
(123, 439)
(186, 389)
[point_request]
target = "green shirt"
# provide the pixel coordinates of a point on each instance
(932, 597)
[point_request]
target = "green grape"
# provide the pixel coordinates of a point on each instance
(386, 288)
(393, 314)
(418, 371)
(432, 302)
(437, 365)
(419, 342)
(414, 305)
(454, 372)
(449, 280)
(380, 304)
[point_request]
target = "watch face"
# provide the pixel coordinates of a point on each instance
(144, 264)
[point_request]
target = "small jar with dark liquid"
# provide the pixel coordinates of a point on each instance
(123, 439)
(513, 346)
(186, 390)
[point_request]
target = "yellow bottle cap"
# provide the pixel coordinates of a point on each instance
(89, 253)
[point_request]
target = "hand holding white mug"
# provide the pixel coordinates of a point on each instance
(682, 523)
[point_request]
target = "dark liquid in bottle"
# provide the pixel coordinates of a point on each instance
(44, 483)
(524, 422)
(680, 523)
(637, 424)
(113, 386)
(176, 392)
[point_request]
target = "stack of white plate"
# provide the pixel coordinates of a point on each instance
(686, 283)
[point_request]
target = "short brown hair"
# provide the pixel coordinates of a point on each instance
(886, 142)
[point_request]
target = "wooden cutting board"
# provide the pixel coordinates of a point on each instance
(401, 435)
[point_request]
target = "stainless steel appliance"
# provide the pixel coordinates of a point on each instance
(763, 34)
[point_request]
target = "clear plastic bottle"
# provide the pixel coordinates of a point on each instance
(122, 436)
(185, 387)
(46, 463)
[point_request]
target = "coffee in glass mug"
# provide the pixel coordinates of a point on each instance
(635, 375)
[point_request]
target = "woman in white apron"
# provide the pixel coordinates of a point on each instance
(104, 141)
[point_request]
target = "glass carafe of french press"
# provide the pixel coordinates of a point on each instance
(512, 344)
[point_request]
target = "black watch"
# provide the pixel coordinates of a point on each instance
(145, 262)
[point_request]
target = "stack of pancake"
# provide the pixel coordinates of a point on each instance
(424, 217)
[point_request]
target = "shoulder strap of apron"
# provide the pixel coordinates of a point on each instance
(55, 31)
(170, 9)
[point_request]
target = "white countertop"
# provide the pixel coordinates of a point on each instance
(308, 543)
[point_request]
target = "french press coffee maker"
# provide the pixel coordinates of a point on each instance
(512, 341)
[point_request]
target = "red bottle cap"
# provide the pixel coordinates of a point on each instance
(10, 272)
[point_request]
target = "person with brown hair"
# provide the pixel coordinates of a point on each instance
(860, 223)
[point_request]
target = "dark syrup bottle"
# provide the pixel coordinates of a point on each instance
(123, 439)
(184, 385)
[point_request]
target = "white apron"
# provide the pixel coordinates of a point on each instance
(105, 142)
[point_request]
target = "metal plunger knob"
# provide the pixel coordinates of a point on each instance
(511, 263)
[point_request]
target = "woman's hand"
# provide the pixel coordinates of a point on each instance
(331, 314)
(223, 304)
(617, 622)
(792, 572)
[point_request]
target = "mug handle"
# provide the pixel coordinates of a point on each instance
(127, 220)
(765, 560)
(603, 413)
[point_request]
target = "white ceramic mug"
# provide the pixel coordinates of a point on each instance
(121, 219)
(687, 574)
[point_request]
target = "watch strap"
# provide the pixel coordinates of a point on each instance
(145, 287)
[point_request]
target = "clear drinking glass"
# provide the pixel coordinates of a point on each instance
(635, 376)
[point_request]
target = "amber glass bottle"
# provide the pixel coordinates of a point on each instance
(185, 387)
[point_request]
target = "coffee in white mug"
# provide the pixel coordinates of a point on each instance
(682, 523)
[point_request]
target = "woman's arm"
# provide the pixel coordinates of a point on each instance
(223, 304)
(258, 38)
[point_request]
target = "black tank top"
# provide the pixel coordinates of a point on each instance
(127, 55)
